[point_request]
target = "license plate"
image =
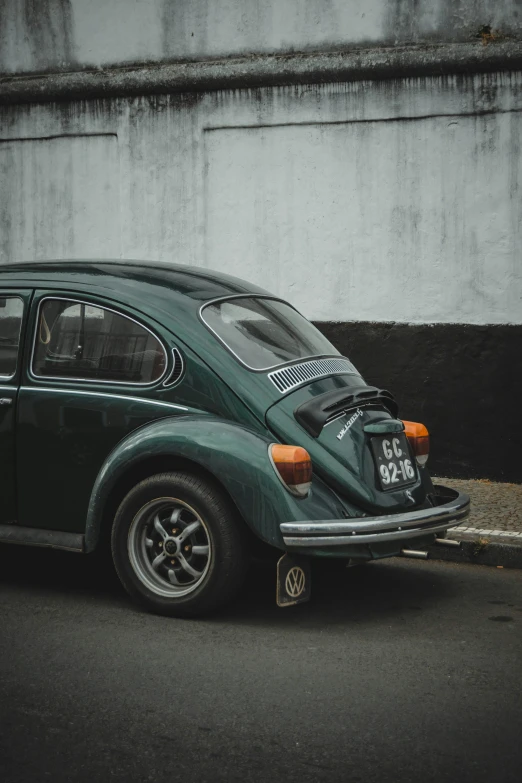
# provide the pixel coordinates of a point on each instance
(395, 466)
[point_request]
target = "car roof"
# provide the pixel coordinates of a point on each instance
(195, 282)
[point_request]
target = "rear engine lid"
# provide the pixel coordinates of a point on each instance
(322, 409)
(356, 443)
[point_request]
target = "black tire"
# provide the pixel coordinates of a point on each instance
(221, 571)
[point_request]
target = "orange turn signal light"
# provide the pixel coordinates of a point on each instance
(419, 439)
(294, 467)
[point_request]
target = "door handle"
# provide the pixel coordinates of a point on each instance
(5, 401)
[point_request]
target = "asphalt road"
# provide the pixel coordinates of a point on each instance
(398, 671)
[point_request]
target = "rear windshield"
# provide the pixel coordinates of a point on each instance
(263, 333)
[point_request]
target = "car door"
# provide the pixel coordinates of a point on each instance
(95, 373)
(13, 311)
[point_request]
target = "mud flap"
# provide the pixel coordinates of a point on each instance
(294, 585)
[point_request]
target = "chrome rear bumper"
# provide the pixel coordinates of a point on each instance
(388, 527)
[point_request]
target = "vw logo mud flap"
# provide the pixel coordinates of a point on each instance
(293, 580)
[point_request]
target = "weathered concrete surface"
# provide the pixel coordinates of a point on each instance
(59, 194)
(264, 70)
(416, 220)
(394, 201)
(51, 35)
(386, 201)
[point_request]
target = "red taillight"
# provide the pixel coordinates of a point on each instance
(419, 439)
(294, 467)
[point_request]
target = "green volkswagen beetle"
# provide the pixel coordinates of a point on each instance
(184, 417)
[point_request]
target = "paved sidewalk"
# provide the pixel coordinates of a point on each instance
(496, 511)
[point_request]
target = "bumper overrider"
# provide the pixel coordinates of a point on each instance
(450, 507)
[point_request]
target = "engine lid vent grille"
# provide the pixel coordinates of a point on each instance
(290, 377)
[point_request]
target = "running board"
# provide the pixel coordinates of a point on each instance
(34, 536)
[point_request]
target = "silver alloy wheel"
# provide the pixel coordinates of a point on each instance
(169, 547)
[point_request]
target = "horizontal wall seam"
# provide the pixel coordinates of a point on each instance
(360, 121)
(56, 136)
(488, 325)
(264, 71)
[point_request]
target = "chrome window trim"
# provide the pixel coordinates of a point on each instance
(104, 394)
(15, 296)
(43, 378)
(167, 383)
(254, 296)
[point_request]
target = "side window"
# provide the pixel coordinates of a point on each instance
(11, 313)
(77, 340)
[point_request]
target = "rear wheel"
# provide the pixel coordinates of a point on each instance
(178, 545)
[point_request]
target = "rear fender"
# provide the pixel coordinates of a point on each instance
(235, 455)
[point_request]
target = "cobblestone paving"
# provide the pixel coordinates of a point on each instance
(496, 510)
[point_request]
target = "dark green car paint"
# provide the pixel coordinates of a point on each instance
(234, 455)
(8, 395)
(75, 440)
(346, 464)
(66, 429)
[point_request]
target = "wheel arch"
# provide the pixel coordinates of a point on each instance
(143, 469)
(233, 457)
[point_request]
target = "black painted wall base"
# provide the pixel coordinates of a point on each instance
(464, 382)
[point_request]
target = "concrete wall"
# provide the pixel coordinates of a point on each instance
(61, 194)
(413, 220)
(388, 210)
(47, 35)
(390, 201)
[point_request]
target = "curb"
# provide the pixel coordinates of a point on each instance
(490, 554)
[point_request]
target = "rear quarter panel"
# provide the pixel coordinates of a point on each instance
(235, 455)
